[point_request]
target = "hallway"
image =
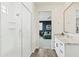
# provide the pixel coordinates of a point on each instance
(44, 53)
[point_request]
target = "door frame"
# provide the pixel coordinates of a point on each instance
(52, 30)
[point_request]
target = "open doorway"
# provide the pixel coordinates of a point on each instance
(45, 30)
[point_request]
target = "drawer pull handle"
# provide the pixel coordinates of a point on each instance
(61, 44)
(56, 44)
(61, 51)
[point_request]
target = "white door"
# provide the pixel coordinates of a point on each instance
(26, 32)
(10, 29)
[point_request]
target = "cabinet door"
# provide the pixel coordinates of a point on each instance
(57, 46)
(26, 32)
(10, 34)
(61, 48)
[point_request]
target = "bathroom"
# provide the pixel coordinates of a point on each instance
(39, 29)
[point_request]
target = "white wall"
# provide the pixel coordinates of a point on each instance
(26, 31)
(58, 20)
(34, 28)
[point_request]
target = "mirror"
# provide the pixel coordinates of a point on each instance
(71, 19)
(77, 21)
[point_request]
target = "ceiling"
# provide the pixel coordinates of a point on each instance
(49, 3)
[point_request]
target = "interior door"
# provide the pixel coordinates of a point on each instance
(10, 29)
(26, 32)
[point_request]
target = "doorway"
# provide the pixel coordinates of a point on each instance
(45, 29)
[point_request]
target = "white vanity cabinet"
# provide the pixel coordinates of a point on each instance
(59, 47)
(66, 46)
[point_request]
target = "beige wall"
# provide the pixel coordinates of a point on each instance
(35, 33)
(57, 16)
(58, 20)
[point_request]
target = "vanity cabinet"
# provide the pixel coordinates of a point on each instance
(66, 47)
(59, 47)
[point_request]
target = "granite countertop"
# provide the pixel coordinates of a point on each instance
(67, 40)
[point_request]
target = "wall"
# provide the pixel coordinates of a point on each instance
(26, 30)
(57, 12)
(34, 26)
(58, 20)
(35, 32)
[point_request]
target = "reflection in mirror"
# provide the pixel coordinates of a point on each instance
(77, 21)
(71, 19)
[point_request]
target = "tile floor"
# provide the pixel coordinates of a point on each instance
(44, 53)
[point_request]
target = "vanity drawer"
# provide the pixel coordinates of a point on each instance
(59, 47)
